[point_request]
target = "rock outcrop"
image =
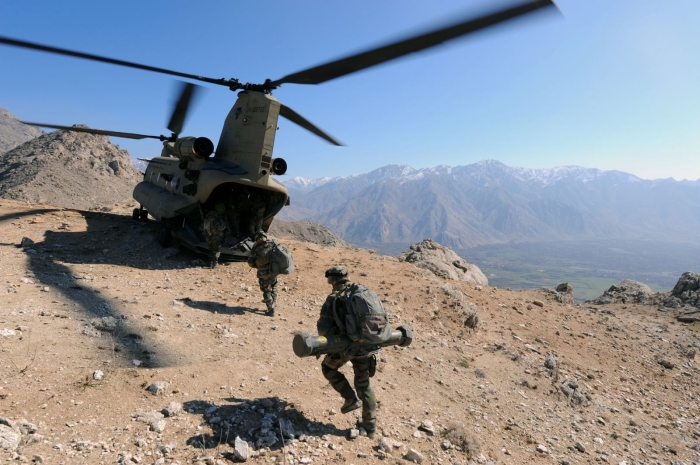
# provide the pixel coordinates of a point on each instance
(307, 232)
(563, 293)
(68, 169)
(627, 291)
(13, 132)
(687, 289)
(443, 262)
(684, 299)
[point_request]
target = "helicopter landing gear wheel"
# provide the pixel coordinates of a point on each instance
(135, 214)
(143, 215)
(165, 236)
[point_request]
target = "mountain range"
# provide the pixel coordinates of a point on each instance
(491, 203)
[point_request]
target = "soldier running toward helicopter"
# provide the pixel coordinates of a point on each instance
(215, 229)
(363, 364)
(261, 258)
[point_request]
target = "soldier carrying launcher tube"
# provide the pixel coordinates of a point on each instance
(363, 364)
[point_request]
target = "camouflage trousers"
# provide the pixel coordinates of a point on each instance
(268, 286)
(360, 365)
(214, 229)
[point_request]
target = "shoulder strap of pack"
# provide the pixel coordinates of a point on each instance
(335, 315)
(344, 294)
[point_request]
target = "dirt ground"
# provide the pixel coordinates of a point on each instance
(554, 383)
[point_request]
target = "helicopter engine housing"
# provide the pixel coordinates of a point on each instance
(190, 148)
(279, 166)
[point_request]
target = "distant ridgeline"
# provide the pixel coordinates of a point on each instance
(491, 203)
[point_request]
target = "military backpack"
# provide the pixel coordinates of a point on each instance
(280, 260)
(366, 321)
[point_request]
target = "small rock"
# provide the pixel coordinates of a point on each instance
(413, 456)
(92, 332)
(9, 437)
(107, 323)
(158, 426)
(165, 449)
(428, 427)
(148, 417)
(666, 363)
(7, 332)
(385, 444)
(580, 447)
(240, 449)
(172, 409)
(354, 433)
(158, 388)
(551, 362)
(541, 448)
(82, 445)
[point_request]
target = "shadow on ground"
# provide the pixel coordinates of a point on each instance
(219, 307)
(110, 239)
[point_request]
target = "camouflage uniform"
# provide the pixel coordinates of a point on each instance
(234, 219)
(326, 325)
(260, 258)
(214, 228)
(257, 211)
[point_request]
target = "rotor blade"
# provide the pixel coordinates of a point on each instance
(295, 117)
(127, 135)
(360, 61)
(88, 56)
(177, 120)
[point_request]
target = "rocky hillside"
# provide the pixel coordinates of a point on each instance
(115, 350)
(68, 169)
(13, 132)
(490, 203)
(306, 231)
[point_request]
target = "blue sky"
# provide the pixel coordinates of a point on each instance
(608, 84)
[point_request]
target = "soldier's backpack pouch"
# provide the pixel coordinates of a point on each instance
(372, 365)
(280, 260)
(366, 320)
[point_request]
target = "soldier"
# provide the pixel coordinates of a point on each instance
(257, 211)
(260, 258)
(215, 229)
(333, 310)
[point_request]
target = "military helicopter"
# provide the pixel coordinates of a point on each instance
(186, 184)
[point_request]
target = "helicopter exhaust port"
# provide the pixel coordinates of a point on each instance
(279, 166)
(191, 148)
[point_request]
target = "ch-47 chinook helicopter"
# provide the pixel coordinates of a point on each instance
(185, 183)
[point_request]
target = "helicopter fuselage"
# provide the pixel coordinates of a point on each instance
(184, 183)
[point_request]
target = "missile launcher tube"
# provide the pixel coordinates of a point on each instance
(305, 344)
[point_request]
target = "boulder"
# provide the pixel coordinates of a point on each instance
(687, 289)
(443, 262)
(563, 293)
(627, 291)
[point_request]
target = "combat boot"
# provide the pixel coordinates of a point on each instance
(270, 308)
(350, 405)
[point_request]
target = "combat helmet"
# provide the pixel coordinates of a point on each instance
(337, 274)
